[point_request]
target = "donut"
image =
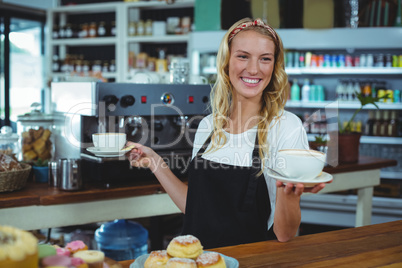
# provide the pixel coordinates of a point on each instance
(210, 260)
(75, 246)
(157, 258)
(185, 246)
(46, 250)
(18, 248)
(181, 263)
(56, 260)
(94, 258)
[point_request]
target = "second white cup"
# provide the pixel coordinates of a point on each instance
(109, 141)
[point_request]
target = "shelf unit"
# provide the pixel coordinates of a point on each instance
(121, 41)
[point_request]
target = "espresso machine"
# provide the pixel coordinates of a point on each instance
(164, 117)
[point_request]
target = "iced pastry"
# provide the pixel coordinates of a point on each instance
(93, 258)
(75, 246)
(18, 248)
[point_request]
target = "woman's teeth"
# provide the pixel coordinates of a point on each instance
(251, 81)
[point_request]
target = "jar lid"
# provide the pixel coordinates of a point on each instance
(35, 115)
(7, 135)
(121, 234)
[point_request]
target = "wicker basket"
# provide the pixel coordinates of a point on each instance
(14, 180)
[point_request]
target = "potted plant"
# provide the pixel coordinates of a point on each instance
(41, 170)
(319, 144)
(346, 140)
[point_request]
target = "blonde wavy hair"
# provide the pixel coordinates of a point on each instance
(273, 99)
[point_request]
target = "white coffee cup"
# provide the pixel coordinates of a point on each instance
(300, 164)
(109, 141)
(198, 80)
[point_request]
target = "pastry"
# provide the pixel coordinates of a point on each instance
(7, 163)
(46, 250)
(157, 258)
(18, 248)
(63, 251)
(185, 246)
(94, 258)
(181, 263)
(56, 260)
(78, 263)
(210, 260)
(75, 246)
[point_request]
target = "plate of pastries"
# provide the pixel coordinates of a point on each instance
(184, 251)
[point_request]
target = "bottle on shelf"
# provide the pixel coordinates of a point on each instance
(113, 29)
(68, 31)
(368, 129)
(148, 27)
(350, 91)
(132, 29)
(358, 126)
(366, 89)
(377, 123)
(295, 91)
(320, 93)
(397, 96)
(92, 30)
(306, 91)
(55, 63)
(101, 29)
(141, 28)
(384, 124)
(393, 125)
(55, 32)
(356, 90)
(84, 30)
(340, 91)
(161, 62)
(390, 96)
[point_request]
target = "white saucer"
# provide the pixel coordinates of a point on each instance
(105, 153)
(323, 178)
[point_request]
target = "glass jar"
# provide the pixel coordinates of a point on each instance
(9, 141)
(179, 71)
(35, 130)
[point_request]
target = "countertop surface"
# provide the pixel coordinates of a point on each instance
(41, 194)
(378, 245)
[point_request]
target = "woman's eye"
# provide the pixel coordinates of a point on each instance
(266, 59)
(242, 56)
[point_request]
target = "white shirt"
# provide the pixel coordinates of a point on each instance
(285, 133)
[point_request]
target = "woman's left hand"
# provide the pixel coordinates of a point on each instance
(299, 188)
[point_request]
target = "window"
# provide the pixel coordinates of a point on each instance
(21, 61)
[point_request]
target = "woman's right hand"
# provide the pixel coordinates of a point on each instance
(143, 156)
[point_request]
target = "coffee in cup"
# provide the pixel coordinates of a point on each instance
(109, 141)
(299, 163)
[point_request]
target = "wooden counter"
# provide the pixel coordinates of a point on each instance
(38, 206)
(377, 245)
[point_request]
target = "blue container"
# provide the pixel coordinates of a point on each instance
(122, 240)
(41, 174)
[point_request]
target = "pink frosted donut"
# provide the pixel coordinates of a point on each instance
(76, 245)
(63, 252)
(56, 260)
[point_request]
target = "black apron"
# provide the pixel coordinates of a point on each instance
(226, 204)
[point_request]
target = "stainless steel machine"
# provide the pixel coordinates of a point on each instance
(162, 116)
